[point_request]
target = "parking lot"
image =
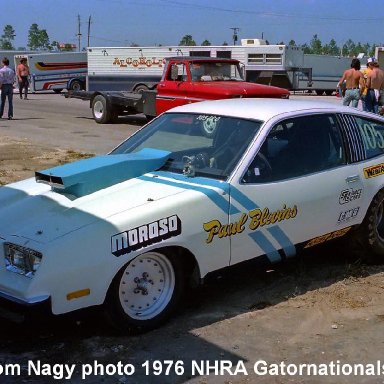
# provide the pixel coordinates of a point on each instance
(320, 308)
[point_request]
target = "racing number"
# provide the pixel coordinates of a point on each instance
(372, 138)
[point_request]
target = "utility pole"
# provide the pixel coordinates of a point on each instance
(235, 30)
(89, 29)
(79, 33)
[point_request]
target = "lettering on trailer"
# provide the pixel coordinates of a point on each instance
(258, 218)
(145, 235)
(375, 170)
(139, 62)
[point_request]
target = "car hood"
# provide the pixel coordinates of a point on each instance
(32, 210)
(243, 88)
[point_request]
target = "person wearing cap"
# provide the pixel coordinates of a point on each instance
(353, 78)
(374, 83)
(22, 72)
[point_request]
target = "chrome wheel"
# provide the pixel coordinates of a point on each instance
(146, 286)
(98, 109)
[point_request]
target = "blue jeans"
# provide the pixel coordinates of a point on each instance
(7, 91)
(352, 96)
(371, 103)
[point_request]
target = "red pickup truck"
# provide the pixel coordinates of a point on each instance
(184, 80)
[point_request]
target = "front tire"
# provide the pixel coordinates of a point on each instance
(145, 292)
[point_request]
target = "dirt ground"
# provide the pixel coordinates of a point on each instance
(323, 307)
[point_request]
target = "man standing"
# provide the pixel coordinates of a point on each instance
(7, 78)
(22, 72)
(352, 77)
(375, 82)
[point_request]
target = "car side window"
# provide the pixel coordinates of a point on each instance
(297, 147)
(372, 133)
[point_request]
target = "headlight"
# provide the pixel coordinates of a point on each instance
(22, 260)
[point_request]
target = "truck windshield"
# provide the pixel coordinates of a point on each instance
(205, 145)
(215, 72)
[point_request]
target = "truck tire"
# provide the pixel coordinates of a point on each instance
(140, 88)
(101, 112)
(76, 85)
(145, 292)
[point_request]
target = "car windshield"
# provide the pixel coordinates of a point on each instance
(215, 72)
(200, 144)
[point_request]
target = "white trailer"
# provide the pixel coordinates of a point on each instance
(56, 71)
(379, 54)
(326, 72)
(10, 55)
(138, 68)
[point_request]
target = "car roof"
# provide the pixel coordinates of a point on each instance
(261, 109)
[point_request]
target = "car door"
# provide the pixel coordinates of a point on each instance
(298, 189)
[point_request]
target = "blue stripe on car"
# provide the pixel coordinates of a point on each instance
(214, 196)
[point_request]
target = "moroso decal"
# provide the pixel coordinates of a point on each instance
(375, 170)
(349, 195)
(327, 237)
(147, 234)
(258, 218)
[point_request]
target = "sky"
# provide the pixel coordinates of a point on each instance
(165, 22)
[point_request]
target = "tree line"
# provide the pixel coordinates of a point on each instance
(38, 40)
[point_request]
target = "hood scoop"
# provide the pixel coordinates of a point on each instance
(90, 175)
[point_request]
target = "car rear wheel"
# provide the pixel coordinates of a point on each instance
(370, 235)
(145, 292)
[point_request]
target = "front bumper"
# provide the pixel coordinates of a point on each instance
(18, 311)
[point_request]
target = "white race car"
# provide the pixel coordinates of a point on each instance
(129, 230)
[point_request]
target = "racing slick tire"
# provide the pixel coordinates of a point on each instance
(101, 112)
(145, 292)
(370, 234)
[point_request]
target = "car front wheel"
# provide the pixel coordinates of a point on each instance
(145, 292)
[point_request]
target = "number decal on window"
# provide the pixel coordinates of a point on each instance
(371, 136)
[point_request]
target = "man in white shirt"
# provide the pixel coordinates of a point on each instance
(7, 78)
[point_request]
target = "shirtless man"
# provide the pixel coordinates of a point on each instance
(375, 82)
(22, 72)
(353, 78)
